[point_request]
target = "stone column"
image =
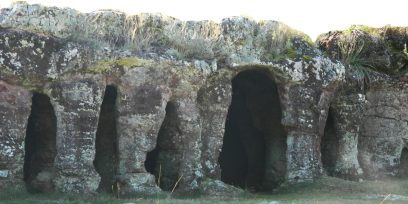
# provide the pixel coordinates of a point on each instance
(304, 112)
(190, 129)
(77, 106)
(15, 108)
(141, 111)
(347, 111)
(214, 99)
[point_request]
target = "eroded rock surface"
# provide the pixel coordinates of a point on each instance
(242, 103)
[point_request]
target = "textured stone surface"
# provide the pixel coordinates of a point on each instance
(218, 188)
(301, 115)
(383, 129)
(15, 105)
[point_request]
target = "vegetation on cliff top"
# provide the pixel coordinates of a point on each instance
(352, 49)
(362, 48)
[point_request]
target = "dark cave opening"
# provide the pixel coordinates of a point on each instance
(329, 145)
(151, 159)
(403, 167)
(165, 159)
(40, 144)
(106, 141)
(254, 146)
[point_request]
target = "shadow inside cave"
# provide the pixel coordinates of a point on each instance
(166, 158)
(40, 145)
(254, 146)
(106, 153)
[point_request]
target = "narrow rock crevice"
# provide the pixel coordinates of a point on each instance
(166, 158)
(40, 144)
(329, 145)
(106, 141)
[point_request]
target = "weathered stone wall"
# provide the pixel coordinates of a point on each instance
(180, 108)
(383, 129)
(15, 105)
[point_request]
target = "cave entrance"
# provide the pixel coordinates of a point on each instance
(106, 141)
(40, 144)
(167, 153)
(254, 146)
(403, 168)
(329, 145)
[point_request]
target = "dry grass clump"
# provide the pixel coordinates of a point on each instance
(18, 2)
(115, 10)
(278, 39)
(139, 32)
(192, 39)
(352, 49)
(355, 45)
(116, 29)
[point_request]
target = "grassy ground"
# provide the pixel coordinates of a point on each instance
(323, 190)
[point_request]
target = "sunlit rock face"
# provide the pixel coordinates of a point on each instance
(106, 101)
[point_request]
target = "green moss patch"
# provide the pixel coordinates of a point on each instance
(107, 64)
(306, 57)
(291, 53)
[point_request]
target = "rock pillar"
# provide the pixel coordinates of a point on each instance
(141, 111)
(304, 112)
(77, 106)
(190, 133)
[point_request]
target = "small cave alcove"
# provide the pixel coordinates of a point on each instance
(329, 145)
(165, 160)
(106, 141)
(253, 155)
(403, 167)
(40, 145)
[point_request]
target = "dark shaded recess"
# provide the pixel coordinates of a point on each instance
(167, 153)
(151, 159)
(106, 141)
(254, 146)
(403, 168)
(40, 143)
(329, 145)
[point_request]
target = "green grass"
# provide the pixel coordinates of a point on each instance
(322, 190)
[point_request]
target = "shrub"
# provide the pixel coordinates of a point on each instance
(351, 54)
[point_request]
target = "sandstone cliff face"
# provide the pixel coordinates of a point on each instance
(87, 101)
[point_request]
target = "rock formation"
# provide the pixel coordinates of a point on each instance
(102, 99)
